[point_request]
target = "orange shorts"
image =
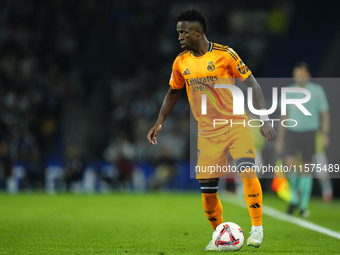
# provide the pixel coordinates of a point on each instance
(213, 152)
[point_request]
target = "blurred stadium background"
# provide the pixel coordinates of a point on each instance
(81, 83)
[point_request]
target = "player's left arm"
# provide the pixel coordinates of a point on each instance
(266, 130)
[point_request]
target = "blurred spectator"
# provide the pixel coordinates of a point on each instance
(74, 167)
(165, 170)
(279, 18)
(122, 152)
(125, 169)
(5, 164)
(34, 171)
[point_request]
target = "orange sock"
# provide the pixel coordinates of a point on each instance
(213, 208)
(253, 197)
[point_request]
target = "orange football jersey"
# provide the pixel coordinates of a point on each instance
(220, 65)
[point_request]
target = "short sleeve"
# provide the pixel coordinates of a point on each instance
(177, 80)
(236, 66)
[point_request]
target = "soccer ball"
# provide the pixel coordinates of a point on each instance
(228, 236)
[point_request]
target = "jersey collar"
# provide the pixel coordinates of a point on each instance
(210, 46)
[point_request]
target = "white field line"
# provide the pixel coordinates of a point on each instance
(239, 201)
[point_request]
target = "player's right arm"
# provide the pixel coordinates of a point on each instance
(168, 104)
(177, 82)
(242, 72)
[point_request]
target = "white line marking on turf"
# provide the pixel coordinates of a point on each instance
(234, 199)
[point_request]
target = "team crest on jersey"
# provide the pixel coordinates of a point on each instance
(211, 66)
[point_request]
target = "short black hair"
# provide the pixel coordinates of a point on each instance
(301, 64)
(193, 15)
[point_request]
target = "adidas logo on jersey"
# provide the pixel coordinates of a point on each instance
(186, 72)
(250, 151)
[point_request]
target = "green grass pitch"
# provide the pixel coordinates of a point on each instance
(151, 223)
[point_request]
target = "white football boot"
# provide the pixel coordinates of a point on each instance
(255, 238)
(211, 246)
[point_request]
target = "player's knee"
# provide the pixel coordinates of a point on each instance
(245, 166)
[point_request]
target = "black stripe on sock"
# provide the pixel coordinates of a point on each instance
(209, 187)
